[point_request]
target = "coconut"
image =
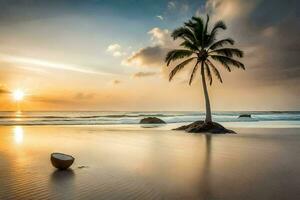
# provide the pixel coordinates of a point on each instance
(61, 161)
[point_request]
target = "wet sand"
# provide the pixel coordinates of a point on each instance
(136, 163)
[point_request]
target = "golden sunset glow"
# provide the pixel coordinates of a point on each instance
(94, 68)
(149, 99)
(18, 95)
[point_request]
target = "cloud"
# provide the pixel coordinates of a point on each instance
(176, 10)
(113, 47)
(269, 33)
(80, 96)
(115, 82)
(84, 96)
(171, 5)
(185, 8)
(160, 17)
(115, 50)
(229, 9)
(153, 55)
(50, 100)
(31, 63)
(160, 36)
(4, 90)
(144, 74)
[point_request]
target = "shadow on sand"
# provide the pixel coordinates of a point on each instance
(60, 176)
(62, 184)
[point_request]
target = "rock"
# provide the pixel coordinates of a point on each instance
(61, 161)
(152, 120)
(202, 127)
(245, 115)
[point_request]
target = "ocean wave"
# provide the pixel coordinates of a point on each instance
(92, 116)
(98, 118)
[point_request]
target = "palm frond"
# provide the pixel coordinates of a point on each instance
(198, 27)
(206, 25)
(213, 34)
(229, 52)
(199, 20)
(218, 25)
(215, 70)
(193, 73)
(177, 54)
(221, 43)
(189, 24)
(183, 32)
(189, 45)
(205, 35)
(179, 67)
(199, 46)
(227, 61)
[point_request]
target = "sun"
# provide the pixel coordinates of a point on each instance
(18, 95)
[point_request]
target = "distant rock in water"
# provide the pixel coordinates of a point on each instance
(61, 161)
(245, 115)
(152, 120)
(201, 127)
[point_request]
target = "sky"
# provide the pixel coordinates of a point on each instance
(109, 55)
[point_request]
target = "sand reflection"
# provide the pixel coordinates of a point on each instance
(205, 186)
(152, 125)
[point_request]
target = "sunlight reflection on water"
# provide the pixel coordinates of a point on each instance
(18, 134)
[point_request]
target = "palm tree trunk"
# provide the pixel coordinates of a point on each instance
(208, 117)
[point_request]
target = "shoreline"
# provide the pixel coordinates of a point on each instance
(248, 125)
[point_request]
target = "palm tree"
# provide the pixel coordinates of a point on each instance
(201, 46)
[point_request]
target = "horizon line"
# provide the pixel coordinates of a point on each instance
(148, 111)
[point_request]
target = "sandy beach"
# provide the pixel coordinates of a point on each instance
(130, 162)
(149, 100)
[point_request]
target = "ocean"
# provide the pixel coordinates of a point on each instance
(273, 119)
